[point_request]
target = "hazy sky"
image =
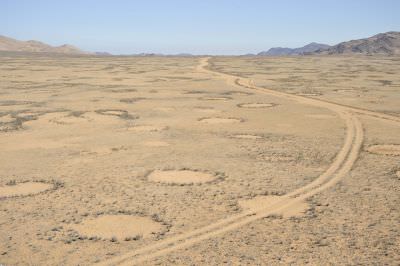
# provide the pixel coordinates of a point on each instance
(195, 26)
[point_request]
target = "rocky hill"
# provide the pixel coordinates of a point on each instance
(309, 48)
(9, 44)
(384, 43)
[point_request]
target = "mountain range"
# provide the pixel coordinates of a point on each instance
(383, 43)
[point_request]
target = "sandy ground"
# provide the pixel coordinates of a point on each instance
(199, 161)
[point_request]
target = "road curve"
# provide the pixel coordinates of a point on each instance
(339, 168)
(248, 83)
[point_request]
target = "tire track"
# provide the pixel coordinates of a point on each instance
(341, 165)
(248, 83)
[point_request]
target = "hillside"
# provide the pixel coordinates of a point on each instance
(9, 44)
(279, 51)
(384, 43)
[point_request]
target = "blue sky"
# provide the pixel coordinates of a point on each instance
(199, 27)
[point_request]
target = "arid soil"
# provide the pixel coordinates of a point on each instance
(199, 161)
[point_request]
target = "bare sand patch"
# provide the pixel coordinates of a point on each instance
(296, 210)
(346, 90)
(256, 105)
(393, 149)
(215, 98)
(398, 173)
(113, 112)
(28, 114)
(147, 128)
(156, 143)
(121, 227)
(23, 189)
(181, 177)
(131, 100)
(220, 120)
(116, 112)
(247, 136)
(258, 203)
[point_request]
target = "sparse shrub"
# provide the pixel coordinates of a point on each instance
(76, 113)
(11, 183)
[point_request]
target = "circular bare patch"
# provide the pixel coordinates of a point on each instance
(131, 100)
(262, 202)
(347, 90)
(23, 189)
(115, 112)
(259, 202)
(181, 177)
(393, 150)
(28, 114)
(220, 120)
(256, 105)
(215, 98)
(120, 227)
(97, 151)
(247, 136)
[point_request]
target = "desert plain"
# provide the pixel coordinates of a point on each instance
(199, 160)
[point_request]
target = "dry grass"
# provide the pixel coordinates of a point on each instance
(96, 127)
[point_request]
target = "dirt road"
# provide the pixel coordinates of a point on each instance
(339, 168)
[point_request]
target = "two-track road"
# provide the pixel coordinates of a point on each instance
(339, 168)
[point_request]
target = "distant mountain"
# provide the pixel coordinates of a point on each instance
(384, 43)
(183, 55)
(276, 51)
(103, 54)
(148, 54)
(163, 55)
(309, 48)
(9, 44)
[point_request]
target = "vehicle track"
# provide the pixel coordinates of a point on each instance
(341, 165)
(248, 83)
